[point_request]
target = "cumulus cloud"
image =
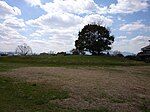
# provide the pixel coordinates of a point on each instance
(64, 13)
(56, 19)
(90, 7)
(9, 32)
(57, 27)
(34, 2)
(128, 6)
(70, 6)
(74, 6)
(134, 26)
(122, 37)
(14, 22)
(131, 45)
(49, 45)
(7, 10)
(96, 18)
(10, 26)
(10, 38)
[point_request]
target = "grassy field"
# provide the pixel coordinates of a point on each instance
(73, 84)
(72, 61)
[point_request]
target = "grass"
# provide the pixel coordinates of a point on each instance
(112, 99)
(17, 96)
(145, 105)
(9, 66)
(68, 61)
(99, 110)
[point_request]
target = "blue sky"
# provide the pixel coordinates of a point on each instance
(53, 25)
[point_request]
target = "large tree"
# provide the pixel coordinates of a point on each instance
(94, 39)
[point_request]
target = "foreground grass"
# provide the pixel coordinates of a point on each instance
(16, 96)
(68, 61)
(9, 66)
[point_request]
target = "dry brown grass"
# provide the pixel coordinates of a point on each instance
(122, 89)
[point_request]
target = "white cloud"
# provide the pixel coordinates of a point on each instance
(7, 10)
(50, 32)
(10, 38)
(122, 37)
(74, 6)
(70, 6)
(96, 18)
(14, 22)
(56, 19)
(142, 39)
(131, 45)
(128, 6)
(34, 2)
(10, 26)
(58, 39)
(134, 26)
(9, 33)
(49, 45)
(90, 7)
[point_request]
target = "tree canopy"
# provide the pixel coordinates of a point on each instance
(94, 39)
(23, 49)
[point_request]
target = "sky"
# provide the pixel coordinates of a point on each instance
(53, 25)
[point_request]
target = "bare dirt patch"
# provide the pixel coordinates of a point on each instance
(118, 89)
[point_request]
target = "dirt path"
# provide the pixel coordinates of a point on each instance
(125, 89)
